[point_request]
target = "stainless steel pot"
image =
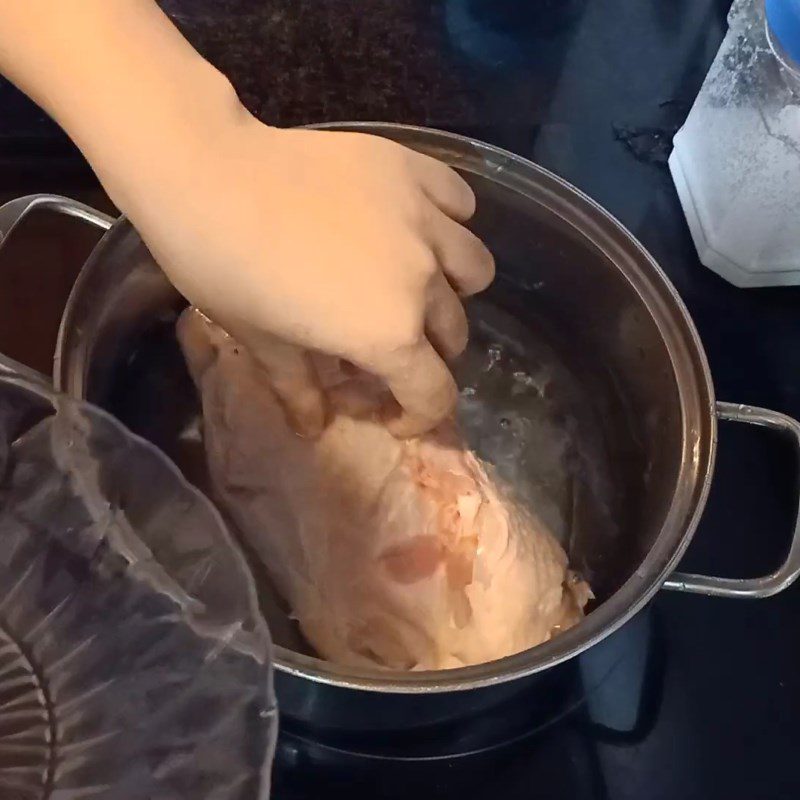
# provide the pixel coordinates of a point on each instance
(565, 267)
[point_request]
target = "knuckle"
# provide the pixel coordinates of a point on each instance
(384, 148)
(425, 259)
(406, 331)
(428, 264)
(422, 261)
(400, 329)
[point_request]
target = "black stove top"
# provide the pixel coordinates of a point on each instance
(696, 697)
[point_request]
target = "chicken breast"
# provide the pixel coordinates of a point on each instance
(398, 554)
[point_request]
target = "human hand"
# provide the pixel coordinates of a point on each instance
(338, 242)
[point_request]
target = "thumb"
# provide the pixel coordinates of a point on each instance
(293, 378)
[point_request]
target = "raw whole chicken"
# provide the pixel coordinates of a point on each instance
(397, 554)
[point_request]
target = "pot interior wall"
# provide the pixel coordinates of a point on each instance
(622, 409)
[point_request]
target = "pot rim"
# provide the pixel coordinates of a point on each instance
(695, 390)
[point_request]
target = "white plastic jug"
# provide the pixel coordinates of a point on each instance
(736, 161)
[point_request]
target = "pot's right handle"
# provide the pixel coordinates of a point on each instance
(786, 574)
(14, 211)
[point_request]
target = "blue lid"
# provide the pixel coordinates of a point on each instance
(783, 17)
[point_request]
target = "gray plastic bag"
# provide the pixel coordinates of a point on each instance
(134, 662)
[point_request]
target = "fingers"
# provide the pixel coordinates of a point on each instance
(462, 256)
(423, 388)
(444, 187)
(445, 320)
(294, 380)
(468, 264)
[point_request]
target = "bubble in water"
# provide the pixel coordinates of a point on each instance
(494, 353)
(523, 382)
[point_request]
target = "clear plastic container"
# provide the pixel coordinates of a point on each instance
(134, 663)
(736, 161)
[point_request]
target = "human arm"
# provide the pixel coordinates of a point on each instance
(339, 242)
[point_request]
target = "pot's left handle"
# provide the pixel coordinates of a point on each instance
(14, 211)
(11, 214)
(788, 572)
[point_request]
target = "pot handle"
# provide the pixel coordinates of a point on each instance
(786, 574)
(14, 211)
